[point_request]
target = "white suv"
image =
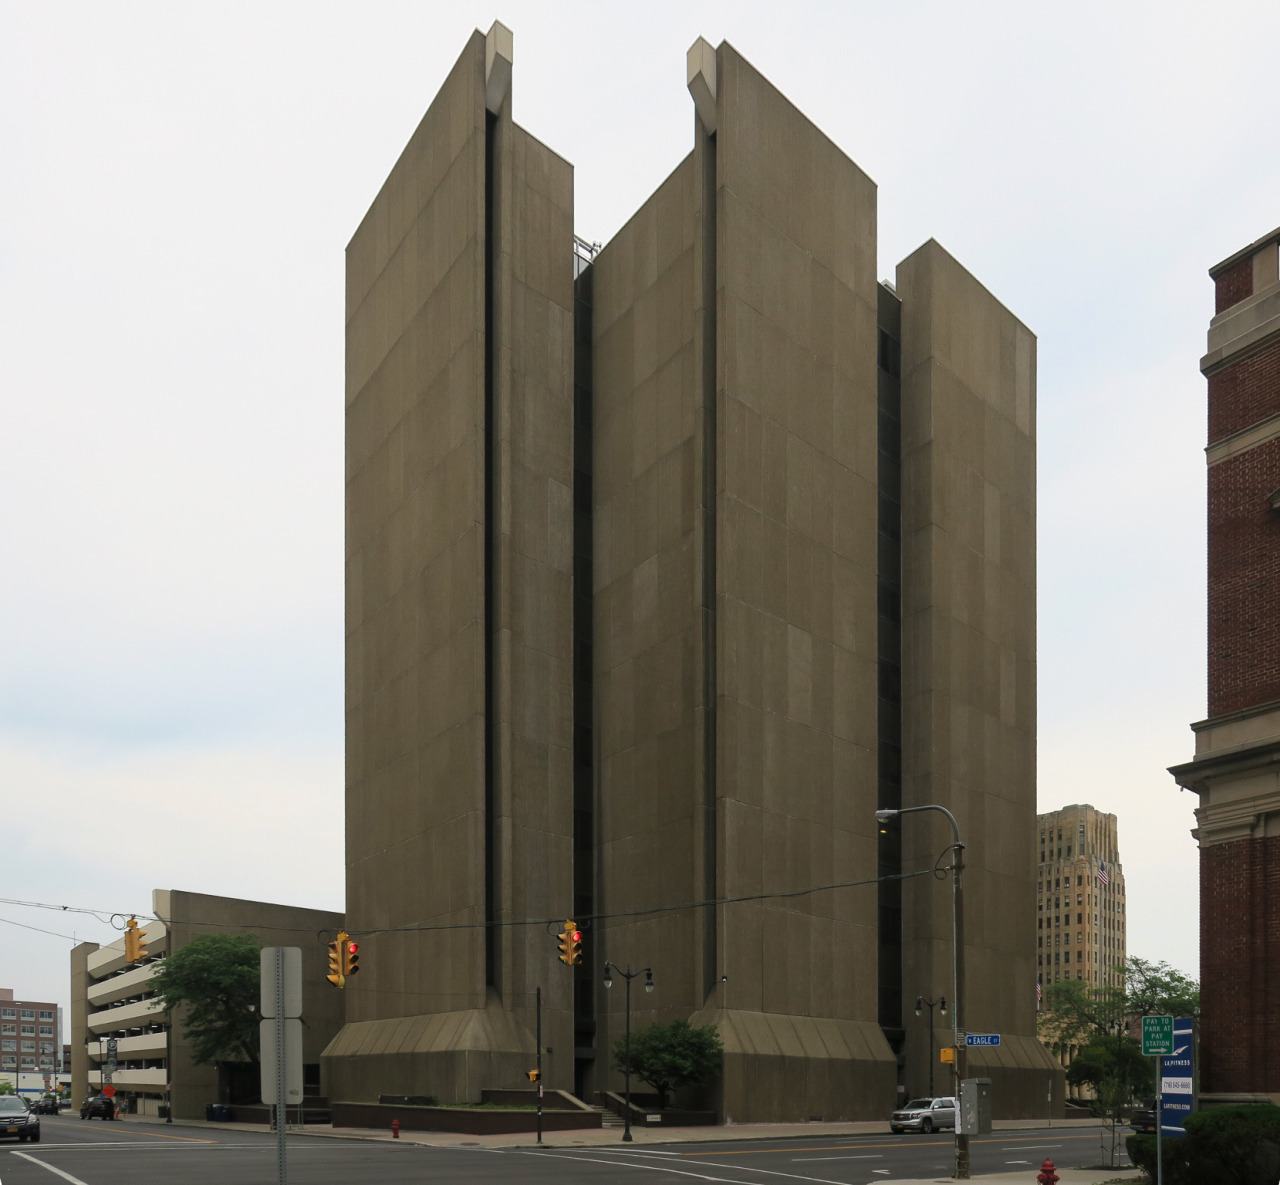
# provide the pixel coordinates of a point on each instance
(924, 1115)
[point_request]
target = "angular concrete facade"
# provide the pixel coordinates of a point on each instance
(661, 581)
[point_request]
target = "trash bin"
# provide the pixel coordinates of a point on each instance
(217, 1113)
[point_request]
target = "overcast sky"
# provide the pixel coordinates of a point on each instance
(179, 184)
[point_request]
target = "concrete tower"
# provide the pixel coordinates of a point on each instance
(662, 579)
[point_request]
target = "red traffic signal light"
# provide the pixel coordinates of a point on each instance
(350, 958)
(569, 942)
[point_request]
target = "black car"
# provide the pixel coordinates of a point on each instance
(98, 1106)
(46, 1105)
(1144, 1119)
(16, 1119)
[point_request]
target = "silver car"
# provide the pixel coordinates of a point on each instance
(924, 1115)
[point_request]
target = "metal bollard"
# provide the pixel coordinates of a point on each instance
(395, 1129)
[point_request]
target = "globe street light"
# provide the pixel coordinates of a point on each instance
(957, 938)
(921, 1004)
(628, 975)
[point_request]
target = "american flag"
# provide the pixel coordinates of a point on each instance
(1103, 878)
(1039, 994)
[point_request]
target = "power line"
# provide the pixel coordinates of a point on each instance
(599, 917)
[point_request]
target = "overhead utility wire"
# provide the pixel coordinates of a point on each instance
(596, 917)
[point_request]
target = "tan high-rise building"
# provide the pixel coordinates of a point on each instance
(1080, 907)
(668, 565)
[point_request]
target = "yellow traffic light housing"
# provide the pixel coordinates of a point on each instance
(350, 956)
(133, 942)
(534, 1075)
(336, 976)
(569, 942)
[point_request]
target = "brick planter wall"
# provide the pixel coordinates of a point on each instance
(466, 1120)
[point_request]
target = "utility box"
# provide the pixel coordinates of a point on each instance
(974, 1118)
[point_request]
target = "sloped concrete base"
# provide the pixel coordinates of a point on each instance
(790, 1069)
(451, 1055)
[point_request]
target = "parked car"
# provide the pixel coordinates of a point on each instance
(98, 1106)
(924, 1115)
(45, 1105)
(1144, 1119)
(16, 1119)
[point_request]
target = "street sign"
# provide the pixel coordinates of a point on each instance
(972, 1039)
(109, 1090)
(292, 1058)
(1157, 1036)
(947, 1054)
(289, 966)
(1177, 1082)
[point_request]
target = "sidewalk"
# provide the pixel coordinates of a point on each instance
(611, 1137)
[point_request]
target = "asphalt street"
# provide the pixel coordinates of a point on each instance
(139, 1152)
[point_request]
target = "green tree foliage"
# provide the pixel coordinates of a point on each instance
(669, 1056)
(1113, 1059)
(1156, 989)
(216, 979)
(7, 1088)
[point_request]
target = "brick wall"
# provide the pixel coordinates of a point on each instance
(1244, 581)
(1244, 392)
(1233, 285)
(1240, 966)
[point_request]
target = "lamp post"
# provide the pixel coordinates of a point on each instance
(957, 994)
(628, 975)
(921, 1004)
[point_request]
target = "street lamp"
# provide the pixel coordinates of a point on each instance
(628, 975)
(957, 938)
(921, 1004)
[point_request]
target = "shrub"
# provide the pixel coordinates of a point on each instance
(1142, 1151)
(1234, 1145)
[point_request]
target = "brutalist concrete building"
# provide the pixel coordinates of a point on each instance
(668, 564)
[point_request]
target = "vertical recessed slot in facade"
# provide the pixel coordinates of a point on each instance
(584, 775)
(889, 658)
(490, 546)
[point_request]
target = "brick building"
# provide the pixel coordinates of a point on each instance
(30, 1038)
(1236, 770)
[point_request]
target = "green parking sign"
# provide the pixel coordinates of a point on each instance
(1157, 1036)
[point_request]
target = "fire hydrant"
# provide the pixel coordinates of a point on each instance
(395, 1133)
(1046, 1175)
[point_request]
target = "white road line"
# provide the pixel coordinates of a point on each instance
(868, 1156)
(58, 1172)
(1024, 1148)
(665, 1167)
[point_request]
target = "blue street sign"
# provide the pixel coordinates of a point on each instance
(982, 1038)
(1177, 1081)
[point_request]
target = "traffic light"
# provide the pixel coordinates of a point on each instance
(336, 976)
(570, 944)
(133, 952)
(534, 1075)
(350, 956)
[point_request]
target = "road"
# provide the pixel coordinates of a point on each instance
(138, 1152)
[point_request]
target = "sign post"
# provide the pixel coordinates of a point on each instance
(281, 1037)
(1157, 1042)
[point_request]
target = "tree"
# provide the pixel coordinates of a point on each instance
(6, 1087)
(216, 977)
(1113, 1059)
(670, 1056)
(1156, 989)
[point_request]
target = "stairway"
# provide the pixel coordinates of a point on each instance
(607, 1118)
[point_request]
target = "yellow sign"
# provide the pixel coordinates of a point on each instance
(947, 1055)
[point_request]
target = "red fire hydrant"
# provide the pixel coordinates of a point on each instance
(395, 1133)
(1046, 1175)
